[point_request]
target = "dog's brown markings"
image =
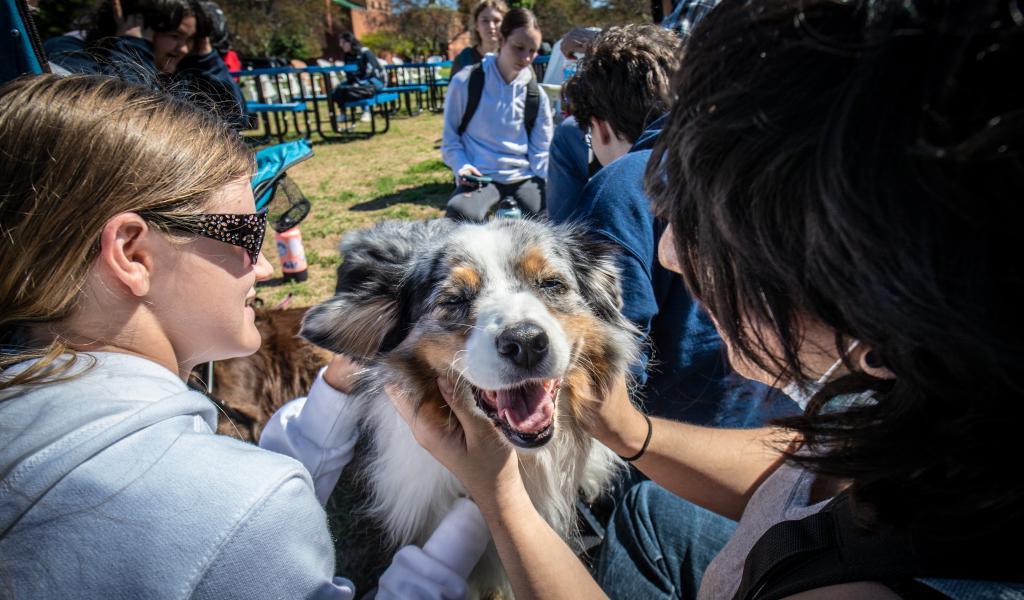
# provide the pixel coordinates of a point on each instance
(465, 278)
(416, 374)
(591, 372)
(533, 266)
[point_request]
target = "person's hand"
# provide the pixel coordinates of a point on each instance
(613, 419)
(578, 40)
(466, 443)
(341, 373)
(130, 25)
(201, 46)
(468, 170)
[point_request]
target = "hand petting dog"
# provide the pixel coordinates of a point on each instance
(468, 446)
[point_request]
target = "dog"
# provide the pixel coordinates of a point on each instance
(524, 318)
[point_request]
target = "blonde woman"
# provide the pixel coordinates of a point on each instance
(484, 32)
(130, 250)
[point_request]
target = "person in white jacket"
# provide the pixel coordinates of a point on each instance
(130, 252)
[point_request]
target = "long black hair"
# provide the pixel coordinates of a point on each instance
(859, 164)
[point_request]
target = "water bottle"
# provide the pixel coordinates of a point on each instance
(293, 255)
(508, 208)
(568, 71)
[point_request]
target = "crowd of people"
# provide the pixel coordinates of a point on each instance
(813, 202)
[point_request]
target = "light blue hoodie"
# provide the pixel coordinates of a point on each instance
(495, 142)
(113, 485)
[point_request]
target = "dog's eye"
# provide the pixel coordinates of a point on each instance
(554, 285)
(453, 301)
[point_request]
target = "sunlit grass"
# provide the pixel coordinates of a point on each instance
(396, 175)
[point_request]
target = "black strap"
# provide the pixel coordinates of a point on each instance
(829, 548)
(476, 91)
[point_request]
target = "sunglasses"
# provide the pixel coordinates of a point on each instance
(243, 230)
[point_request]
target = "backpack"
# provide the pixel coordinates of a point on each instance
(476, 90)
(829, 548)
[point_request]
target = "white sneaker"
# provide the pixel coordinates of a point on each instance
(366, 117)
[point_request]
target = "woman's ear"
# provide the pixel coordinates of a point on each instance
(125, 254)
(871, 363)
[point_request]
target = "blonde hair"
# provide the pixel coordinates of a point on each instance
(498, 5)
(75, 152)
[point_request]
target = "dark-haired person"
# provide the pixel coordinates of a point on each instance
(484, 33)
(366, 81)
(842, 184)
(498, 142)
(621, 90)
(158, 43)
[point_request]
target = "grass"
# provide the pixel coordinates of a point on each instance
(396, 175)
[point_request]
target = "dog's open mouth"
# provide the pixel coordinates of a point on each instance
(525, 413)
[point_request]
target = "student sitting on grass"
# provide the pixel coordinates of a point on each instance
(507, 137)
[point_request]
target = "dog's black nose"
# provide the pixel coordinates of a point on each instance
(525, 344)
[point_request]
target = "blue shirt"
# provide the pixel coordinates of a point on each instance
(684, 368)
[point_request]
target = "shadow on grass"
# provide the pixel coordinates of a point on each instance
(429, 194)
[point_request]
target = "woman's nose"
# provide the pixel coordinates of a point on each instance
(263, 268)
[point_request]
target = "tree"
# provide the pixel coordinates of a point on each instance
(428, 26)
(288, 28)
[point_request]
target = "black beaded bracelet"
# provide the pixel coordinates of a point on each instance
(647, 441)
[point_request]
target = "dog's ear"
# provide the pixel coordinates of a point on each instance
(372, 310)
(595, 262)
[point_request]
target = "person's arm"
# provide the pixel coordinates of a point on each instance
(578, 40)
(453, 153)
(205, 72)
(319, 430)
(716, 468)
(540, 139)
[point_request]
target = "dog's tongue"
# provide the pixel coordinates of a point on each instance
(528, 408)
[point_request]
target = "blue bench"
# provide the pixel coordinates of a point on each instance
(263, 107)
(379, 101)
(406, 91)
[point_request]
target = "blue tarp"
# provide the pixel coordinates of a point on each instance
(271, 163)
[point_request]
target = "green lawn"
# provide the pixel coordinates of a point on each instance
(396, 175)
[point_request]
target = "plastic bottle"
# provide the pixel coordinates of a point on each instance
(569, 70)
(293, 255)
(508, 208)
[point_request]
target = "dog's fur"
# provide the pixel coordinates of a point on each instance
(416, 300)
(248, 390)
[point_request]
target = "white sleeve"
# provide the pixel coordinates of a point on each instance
(439, 569)
(320, 431)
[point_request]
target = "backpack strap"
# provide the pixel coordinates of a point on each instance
(476, 90)
(829, 548)
(532, 107)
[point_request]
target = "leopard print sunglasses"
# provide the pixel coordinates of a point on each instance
(244, 230)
